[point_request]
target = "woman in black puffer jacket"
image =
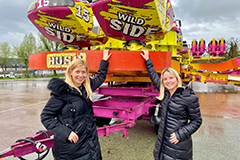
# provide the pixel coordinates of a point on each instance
(68, 114)
(180, 114)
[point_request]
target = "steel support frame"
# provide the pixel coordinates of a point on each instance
(126, 103)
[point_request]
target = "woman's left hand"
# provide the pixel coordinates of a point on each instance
(73, 137)
(145, 54)
(106, 55)
(173, 138)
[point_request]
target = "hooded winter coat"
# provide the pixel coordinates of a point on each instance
(67, 110)
(180, 114)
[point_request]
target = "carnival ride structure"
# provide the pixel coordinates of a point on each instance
(125, 27)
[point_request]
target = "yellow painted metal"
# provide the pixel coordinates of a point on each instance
(135, 46)
(156, 14)
(169, 40)
(81, 25)
(214, 42)
(201, 42)
(207, 77)
(71, 48)
(206, 59)
(169, 43)
(234, 82)
(176, 65)
(194, 42)
(222, 41)
(111, 44)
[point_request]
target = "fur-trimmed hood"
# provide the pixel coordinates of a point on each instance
(58, 85)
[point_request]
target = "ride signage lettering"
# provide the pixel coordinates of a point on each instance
(63, 33)
(216, 79)
(132, 26)
(61, 60)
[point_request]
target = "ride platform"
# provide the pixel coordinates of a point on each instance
(125, 65)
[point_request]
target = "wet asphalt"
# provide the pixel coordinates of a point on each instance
(21, 102)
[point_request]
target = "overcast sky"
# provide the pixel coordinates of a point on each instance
(200, 19)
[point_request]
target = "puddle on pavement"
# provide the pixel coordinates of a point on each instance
(21, 103)
(21, 84)
(217, 100)
(215, 88)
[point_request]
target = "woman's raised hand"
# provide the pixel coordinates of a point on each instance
(106, 54)
(145, 54)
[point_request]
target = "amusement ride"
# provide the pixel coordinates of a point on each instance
(125, 27)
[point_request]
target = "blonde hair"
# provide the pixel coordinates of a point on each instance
(162, 87)
(75, 63)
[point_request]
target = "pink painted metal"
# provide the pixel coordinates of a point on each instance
(133, 20)
(202, 47)
(217, 48)
(222, 48)
(126, 103)
(198, 49)
(22, 148)
(194, 48)
(233, 72)
(106, 130)
(69, 23)
(212, 48)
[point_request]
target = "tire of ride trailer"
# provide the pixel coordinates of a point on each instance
(156, 127)
(101, 121)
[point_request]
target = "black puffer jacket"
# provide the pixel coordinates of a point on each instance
(68, 111)
(180, 114)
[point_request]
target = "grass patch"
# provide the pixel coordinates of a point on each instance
(50, 76)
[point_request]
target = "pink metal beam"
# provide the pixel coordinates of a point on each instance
(126, 91)
(22, 148)
(105, 130)
(122, 109)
